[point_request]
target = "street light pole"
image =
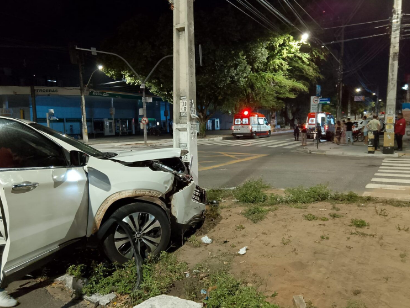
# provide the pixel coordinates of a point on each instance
(144, 100)
(83, 111)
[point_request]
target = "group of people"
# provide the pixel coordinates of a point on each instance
(344, 131)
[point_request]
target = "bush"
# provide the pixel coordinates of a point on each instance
(228, 292)
(218, 194)
(359, 223)
(251, 192)
(346, 197)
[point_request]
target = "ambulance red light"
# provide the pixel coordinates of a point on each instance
(246, 112)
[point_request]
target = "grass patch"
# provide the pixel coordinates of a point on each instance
(256, 213)
(335, 208)
(194, 241)
(251, 192)
(335, 215)
(349, 197)
(323, 218)
(362, 234)
(78, 271)
(159, 274)
(324, 237)
(239, 227)
(310, 217)
(285, 241)
(227, 291)
(307, 195)
(218, 194)
(213, 212)
(359, 223)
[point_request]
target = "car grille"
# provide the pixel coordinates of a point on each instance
(199, 195)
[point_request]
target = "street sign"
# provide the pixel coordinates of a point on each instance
(324, 101)
(93, 51)
(144, 120)
(318, 90)
(314, 103)
(359, 98)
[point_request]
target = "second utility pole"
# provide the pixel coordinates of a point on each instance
(339, 105)
(388, 146)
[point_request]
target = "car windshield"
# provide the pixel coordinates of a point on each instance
(77, 144)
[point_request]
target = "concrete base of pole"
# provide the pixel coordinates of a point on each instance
(370, 144)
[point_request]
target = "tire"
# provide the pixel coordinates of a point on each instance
(116, 245)
(254, 136)
(269, 134)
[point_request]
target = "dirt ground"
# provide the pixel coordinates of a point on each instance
(328, 262)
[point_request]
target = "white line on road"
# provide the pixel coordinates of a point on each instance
(293, 146)
(396, 171)
(396, 160)
(396, 164)
(390, 187)
(279, 145)
(391, 180)
(393, 168)
(393, 174)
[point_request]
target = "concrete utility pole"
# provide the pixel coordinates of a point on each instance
(388, 147)
(33, 102)
(184, 96)
(339, 103)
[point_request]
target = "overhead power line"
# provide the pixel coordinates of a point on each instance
(308, 15)
(357, 38)
(247, 15)
(358, 24)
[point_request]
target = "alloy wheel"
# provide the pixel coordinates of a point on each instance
(146, 233)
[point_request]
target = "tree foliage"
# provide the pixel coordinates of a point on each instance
(243, 64)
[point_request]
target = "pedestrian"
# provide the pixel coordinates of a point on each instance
(349, 131)
(304, 134)
(296, 132)
(343, 136)
(365, 129)
(399, 131)
(374, 127)
(338, 132)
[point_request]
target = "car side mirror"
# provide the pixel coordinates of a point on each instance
(78, 159)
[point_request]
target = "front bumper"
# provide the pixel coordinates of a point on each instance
(188, 205)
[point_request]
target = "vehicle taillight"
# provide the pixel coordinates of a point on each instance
(250, 127)
(326, 127)
(232, 127)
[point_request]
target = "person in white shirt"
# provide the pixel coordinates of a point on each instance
(365, 129)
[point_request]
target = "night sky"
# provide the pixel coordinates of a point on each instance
(35, 35)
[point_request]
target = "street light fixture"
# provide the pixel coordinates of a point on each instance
(374, 93)
(380, 100)
(358, 90)
(305, 37)
(100, 67)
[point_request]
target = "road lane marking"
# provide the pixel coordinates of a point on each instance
(391, 167)
(396, 171)
(393, 174)
(395, 164)
(279, 145)
(385, 186)
(233, 162)
(390, 180)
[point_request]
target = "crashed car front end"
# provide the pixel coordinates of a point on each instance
(185, 200)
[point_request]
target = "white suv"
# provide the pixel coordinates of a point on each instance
(55, 190)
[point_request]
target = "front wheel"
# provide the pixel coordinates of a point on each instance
(150, 227)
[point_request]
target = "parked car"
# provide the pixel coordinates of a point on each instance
(55, 190)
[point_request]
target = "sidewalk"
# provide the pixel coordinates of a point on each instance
(138, 140)
(357, 150)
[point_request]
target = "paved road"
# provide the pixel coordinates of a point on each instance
(278, 160)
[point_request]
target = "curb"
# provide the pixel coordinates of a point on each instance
(325, 152)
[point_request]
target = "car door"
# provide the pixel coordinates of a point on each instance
(44, 201)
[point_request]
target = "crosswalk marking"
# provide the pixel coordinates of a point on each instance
(393, 174)
(385, 186)
(287, 143)
(396, 171)
(391, 180)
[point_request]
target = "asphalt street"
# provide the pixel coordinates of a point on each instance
(278, 160)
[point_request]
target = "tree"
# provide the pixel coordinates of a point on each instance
(243, 64)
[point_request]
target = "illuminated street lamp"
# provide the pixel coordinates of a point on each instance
(305, 37)
(100, 67)
(358, 90)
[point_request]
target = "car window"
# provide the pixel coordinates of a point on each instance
(23, 147)
(312, 121)
(237, 121)
(261, 121)
(245, 121)
(77, 144)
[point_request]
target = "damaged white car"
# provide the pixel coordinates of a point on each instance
(55, 191)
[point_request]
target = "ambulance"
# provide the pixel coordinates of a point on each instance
(326, 121)
(250, 124)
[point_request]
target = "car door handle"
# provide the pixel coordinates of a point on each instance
(25, 186)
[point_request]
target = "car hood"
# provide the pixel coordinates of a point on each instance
(132, 156)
